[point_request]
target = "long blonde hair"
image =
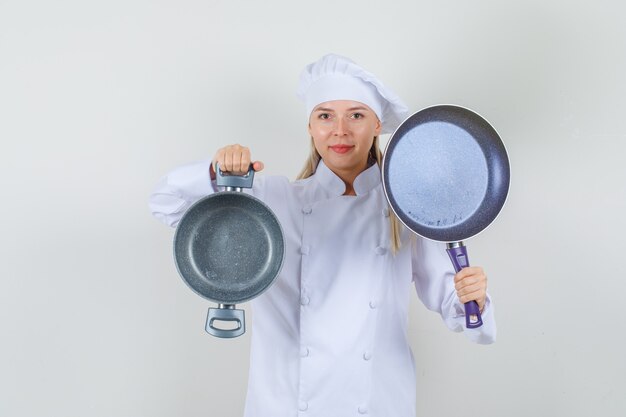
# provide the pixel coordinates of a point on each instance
(311, 165)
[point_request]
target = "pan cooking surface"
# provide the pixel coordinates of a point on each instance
(229, 248)
(445, 182)
(446, 173)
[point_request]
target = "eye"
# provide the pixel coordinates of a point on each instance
(323, 116)
(358, 116)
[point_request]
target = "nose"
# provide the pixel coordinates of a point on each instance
(340, 127)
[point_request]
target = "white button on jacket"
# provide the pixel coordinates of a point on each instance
(338, 260)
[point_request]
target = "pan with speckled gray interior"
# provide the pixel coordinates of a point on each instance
(229, 248)
(446, 176)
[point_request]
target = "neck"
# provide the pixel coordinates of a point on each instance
(348, 177)
(349, 189)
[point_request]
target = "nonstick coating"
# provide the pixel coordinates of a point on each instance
(229, 247)
(446, 173)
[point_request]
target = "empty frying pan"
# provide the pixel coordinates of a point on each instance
(446, 176)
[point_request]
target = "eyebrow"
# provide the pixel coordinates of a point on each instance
(332, 111)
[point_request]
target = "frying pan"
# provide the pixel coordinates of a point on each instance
(229, 248)
(446, 176)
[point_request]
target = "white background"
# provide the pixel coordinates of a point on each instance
(99, 99)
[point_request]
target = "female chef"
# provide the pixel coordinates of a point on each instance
(329, 338)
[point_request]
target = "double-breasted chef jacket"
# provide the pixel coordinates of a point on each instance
(329, 337)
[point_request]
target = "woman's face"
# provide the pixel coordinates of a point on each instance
(343, 132)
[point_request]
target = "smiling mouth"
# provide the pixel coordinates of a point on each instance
(341, 148)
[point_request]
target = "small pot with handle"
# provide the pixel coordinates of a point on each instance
(229, 248)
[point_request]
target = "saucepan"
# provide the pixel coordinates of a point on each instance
(446, 176)
(229, 248)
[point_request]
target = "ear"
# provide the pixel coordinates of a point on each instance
(379, 127)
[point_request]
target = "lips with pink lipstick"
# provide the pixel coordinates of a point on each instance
(341, 149)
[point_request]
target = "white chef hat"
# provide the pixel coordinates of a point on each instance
(334, 77)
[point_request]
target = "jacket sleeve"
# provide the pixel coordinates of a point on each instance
(433, 276)
(179, 189)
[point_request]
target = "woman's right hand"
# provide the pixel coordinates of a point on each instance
(235, 159)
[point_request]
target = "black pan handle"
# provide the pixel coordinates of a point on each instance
(235, 181)
(458, 255)
(225, 313)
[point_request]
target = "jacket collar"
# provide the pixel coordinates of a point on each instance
(334, 186)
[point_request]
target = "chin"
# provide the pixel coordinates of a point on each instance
(343, 165)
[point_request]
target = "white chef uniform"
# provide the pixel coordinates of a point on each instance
(329, 337)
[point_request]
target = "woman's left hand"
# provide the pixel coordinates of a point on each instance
(471, 285)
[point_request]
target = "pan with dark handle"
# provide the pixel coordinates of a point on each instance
(446, 176)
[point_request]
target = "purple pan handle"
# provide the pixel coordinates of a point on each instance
(458, 255)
